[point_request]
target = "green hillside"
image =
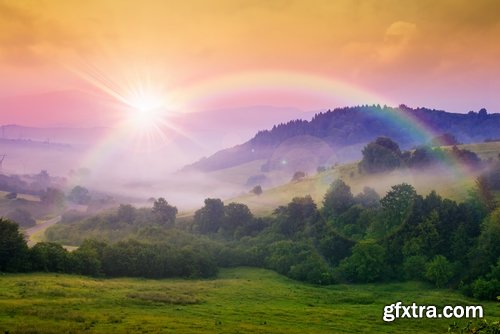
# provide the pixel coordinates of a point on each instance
(448, 185)
(451, 183)
(241, 300)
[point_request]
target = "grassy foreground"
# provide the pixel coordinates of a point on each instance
(242, 300)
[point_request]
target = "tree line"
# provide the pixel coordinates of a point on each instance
(348, 238)
(351, 238)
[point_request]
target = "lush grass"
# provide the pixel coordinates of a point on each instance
(242, 300)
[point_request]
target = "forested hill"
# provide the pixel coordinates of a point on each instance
(355, 126)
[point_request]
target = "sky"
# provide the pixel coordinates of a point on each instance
(97, 62)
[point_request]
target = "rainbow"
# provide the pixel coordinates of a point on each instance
(323, 87)
(291, 83)
(238, 85)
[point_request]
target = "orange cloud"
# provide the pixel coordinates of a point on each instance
(397, 40)
(374, 43)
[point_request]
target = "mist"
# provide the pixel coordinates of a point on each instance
(132, 169)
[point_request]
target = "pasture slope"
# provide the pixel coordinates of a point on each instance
(446, 182)
(241, 300)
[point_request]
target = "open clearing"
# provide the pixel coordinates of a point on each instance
(241, 300)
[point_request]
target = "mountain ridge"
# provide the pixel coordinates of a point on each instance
(341, 128)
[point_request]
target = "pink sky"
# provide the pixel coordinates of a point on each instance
(68, 63)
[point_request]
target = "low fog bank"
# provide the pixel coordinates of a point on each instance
(125, 175)
(448, 181)
(136, 177)
(185, 190)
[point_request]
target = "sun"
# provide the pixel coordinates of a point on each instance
(146, 110)
(146, 102)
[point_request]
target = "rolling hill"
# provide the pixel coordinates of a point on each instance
(337, 136)
(445, 182)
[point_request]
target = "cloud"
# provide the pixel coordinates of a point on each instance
(29, 39)
(397, 40)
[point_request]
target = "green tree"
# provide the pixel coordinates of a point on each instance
(368, 198)
(210, 217)
(127, 213)
(86, 259)
(397, 205)
(422, 157)
(439, 271)
(51, 257)
(381, 155)
(335, 247)
(414, 267)
(487, 250)
(84, 263)
(426, 240)
(79, 195)
(164, 213)
(13, 248)
(366, 264)
(338, 199)
(488, 287)
(296, 215)
(237, 215)
(484, 192)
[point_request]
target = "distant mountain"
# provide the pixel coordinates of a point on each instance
(338, 136)
(60, 149)
(63, 135)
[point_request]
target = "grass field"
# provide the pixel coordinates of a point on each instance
(241, 300)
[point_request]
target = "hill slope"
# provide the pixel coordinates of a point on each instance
(337, 136)
(444, 181)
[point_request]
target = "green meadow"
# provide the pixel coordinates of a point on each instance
(241, 300)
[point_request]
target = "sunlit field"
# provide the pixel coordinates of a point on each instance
(241, 300)
(248, 166)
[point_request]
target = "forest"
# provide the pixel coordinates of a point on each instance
(348, 238)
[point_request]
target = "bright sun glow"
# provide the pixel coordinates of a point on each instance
(147, 110)
(146, 102)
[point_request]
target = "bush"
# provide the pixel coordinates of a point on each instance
(51, 257)
(257, 190)
(484, 289)
(366, 264)
(414, 267)
(439, 271)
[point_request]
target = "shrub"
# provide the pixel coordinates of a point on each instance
(439, 271)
